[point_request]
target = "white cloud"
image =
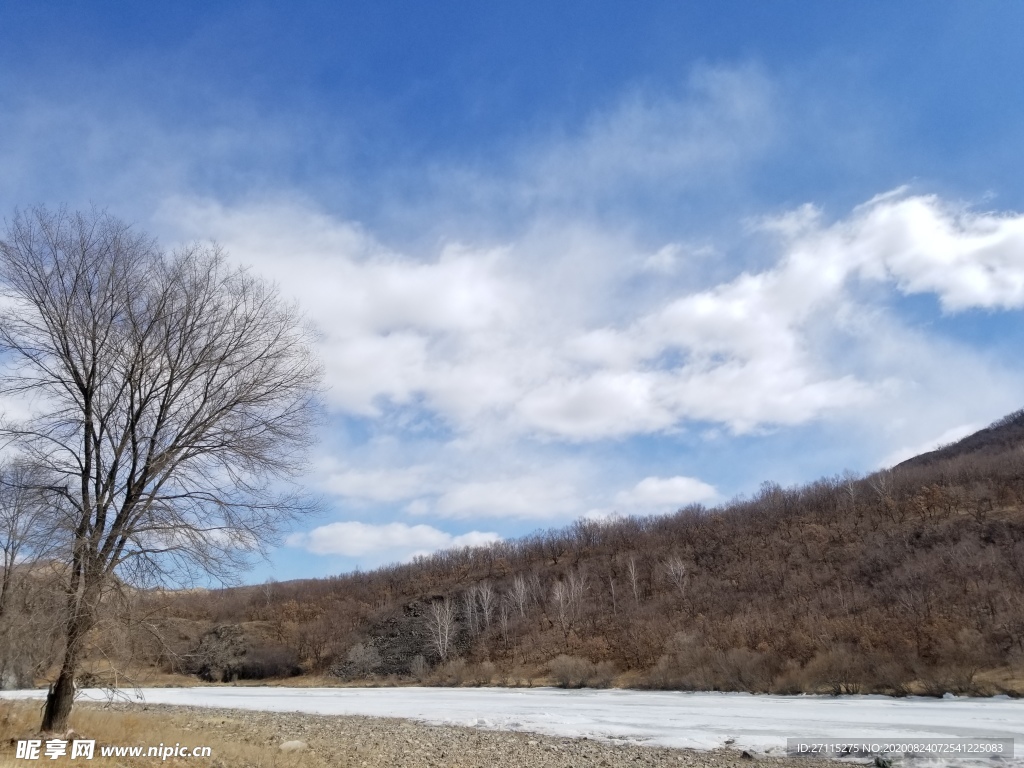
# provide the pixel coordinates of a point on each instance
(491, 338)
(665, 260)
(968, 260)
(18, 407)
(460, 481)
(532, 497)
(674, 492)
(605, 403)
(377, 484)
(923, 244)
(475, 339)
(390, 541)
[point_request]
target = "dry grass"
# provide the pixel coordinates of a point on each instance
(232, 745)
(1009, 679)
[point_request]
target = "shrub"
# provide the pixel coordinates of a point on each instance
(363, 659)
(960, 658)
(574, 672)
(892, 676)
(837, 671)
(219, 656)
(603, 675)
(743, 669)
(419, 668)
(570, 671)
(453, 673)
(520, 676)
(849, 670)
(277, 661)
(686, 665)
(789, 681)
(483, 673)
(360, 662)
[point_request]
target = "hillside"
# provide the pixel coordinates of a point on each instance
(907, 580)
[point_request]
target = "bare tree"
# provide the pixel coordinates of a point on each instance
(504, 616)
(486, 597)
(849, 480)
(536, 587)
(520, 594)
(27, 525)
(677, 573)
(567, 599)
(442, 626)
(881, 483)
(470, 608)
(28, 538)
(561, 600)
(177, 394)
(577, 582)
(634, 578)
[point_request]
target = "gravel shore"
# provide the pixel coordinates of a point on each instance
(372, 742)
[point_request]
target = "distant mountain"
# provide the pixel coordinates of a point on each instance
(1005, 434)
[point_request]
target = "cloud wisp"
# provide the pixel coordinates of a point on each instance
(666, 493)
(389, 542)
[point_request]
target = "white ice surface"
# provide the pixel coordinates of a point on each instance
(672, 719)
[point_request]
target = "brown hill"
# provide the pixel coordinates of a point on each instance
(910, 579)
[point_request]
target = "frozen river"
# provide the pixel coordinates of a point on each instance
(700, 720)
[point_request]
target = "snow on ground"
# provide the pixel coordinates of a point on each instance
(673, 719)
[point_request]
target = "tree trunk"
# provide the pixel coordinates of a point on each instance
(61, 695)
(59, 700)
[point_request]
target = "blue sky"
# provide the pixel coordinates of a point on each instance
(568, 259)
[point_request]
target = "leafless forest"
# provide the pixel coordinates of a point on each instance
(909, 580)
